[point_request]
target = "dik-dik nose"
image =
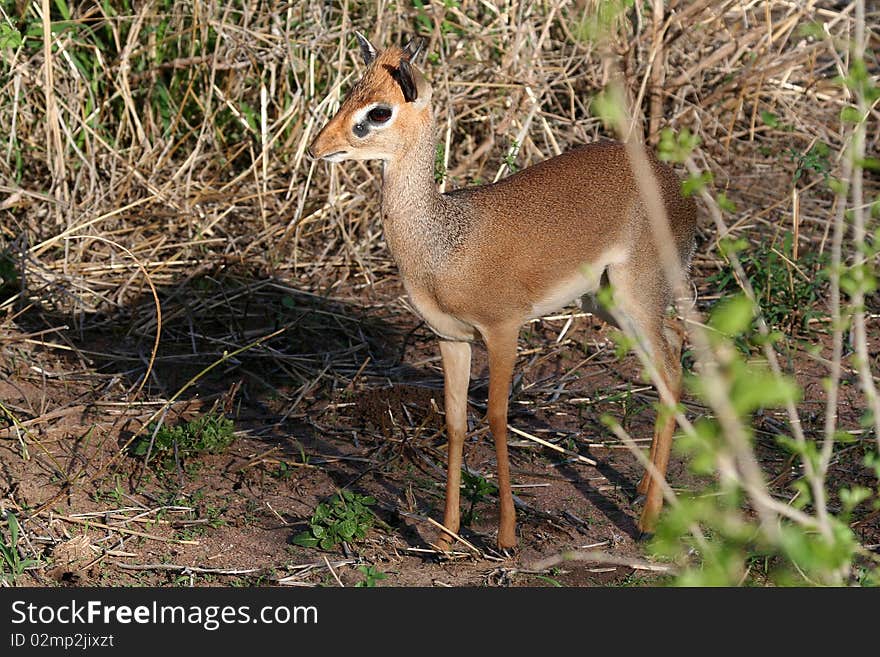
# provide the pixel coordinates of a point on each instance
(314, 147)
(317, 148)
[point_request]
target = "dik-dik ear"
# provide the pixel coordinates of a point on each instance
(412, 83)
(403, 74)
(368, 51)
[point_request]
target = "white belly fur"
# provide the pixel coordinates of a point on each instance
(585, 280)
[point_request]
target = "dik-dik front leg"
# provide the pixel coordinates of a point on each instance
(456, 376)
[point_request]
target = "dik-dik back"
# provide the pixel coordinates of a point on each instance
(480, 261)
(557, 225)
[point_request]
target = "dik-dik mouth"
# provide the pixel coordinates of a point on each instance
(337, 156)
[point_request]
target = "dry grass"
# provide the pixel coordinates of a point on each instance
(159, 208)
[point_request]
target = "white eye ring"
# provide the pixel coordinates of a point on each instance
(362, 118)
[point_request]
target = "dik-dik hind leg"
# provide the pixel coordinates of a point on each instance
(642, 298)
(673, 330)
(501, 343)
(456, 376)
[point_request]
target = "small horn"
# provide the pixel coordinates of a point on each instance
(368, 52)
(413, 47)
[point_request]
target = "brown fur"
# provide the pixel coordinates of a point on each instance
(483, 260)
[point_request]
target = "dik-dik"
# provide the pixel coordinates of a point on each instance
(482, 261)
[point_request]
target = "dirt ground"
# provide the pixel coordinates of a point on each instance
(95, 516)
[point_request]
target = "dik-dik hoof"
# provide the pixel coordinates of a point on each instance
(444, 542)
(506, 541)
(508, 553)
(648, 520)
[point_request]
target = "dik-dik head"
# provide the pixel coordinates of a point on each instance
(383, 113)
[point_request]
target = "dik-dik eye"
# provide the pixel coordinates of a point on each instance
(379, 114)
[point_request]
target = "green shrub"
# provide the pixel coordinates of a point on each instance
(790, 291)
(346, 517)
(11, 564)
(209, 434)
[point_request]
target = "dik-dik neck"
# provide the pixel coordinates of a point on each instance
(422, 226)
(408, 189)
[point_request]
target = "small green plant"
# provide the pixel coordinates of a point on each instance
(769, 119)
(209, 434)
(12, 566)
(510, 156)
(788, 289)
(282, 471)
(816, 160)
(116, 495)
(371, 576)
(10, 38)
(214, 516)
(476, 489)
(345, 517)
(772, 121)
(676, 147)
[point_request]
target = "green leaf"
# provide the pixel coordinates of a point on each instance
(676, 147)
(140, 447)
(695, 183)
(623, 344)
(347, 529)
(852, 497)
(13, 529)
(63, 9)
(850, 114)
(760, 388)
(858, 278)
(702, 447)
(837, 185)
(844, 437)
(609, 105)
(305, 539)
(732, 315)
(729, 245)
(9, 37)
(725, 203)
(812, 29)
(805, 495)
(769, 119)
